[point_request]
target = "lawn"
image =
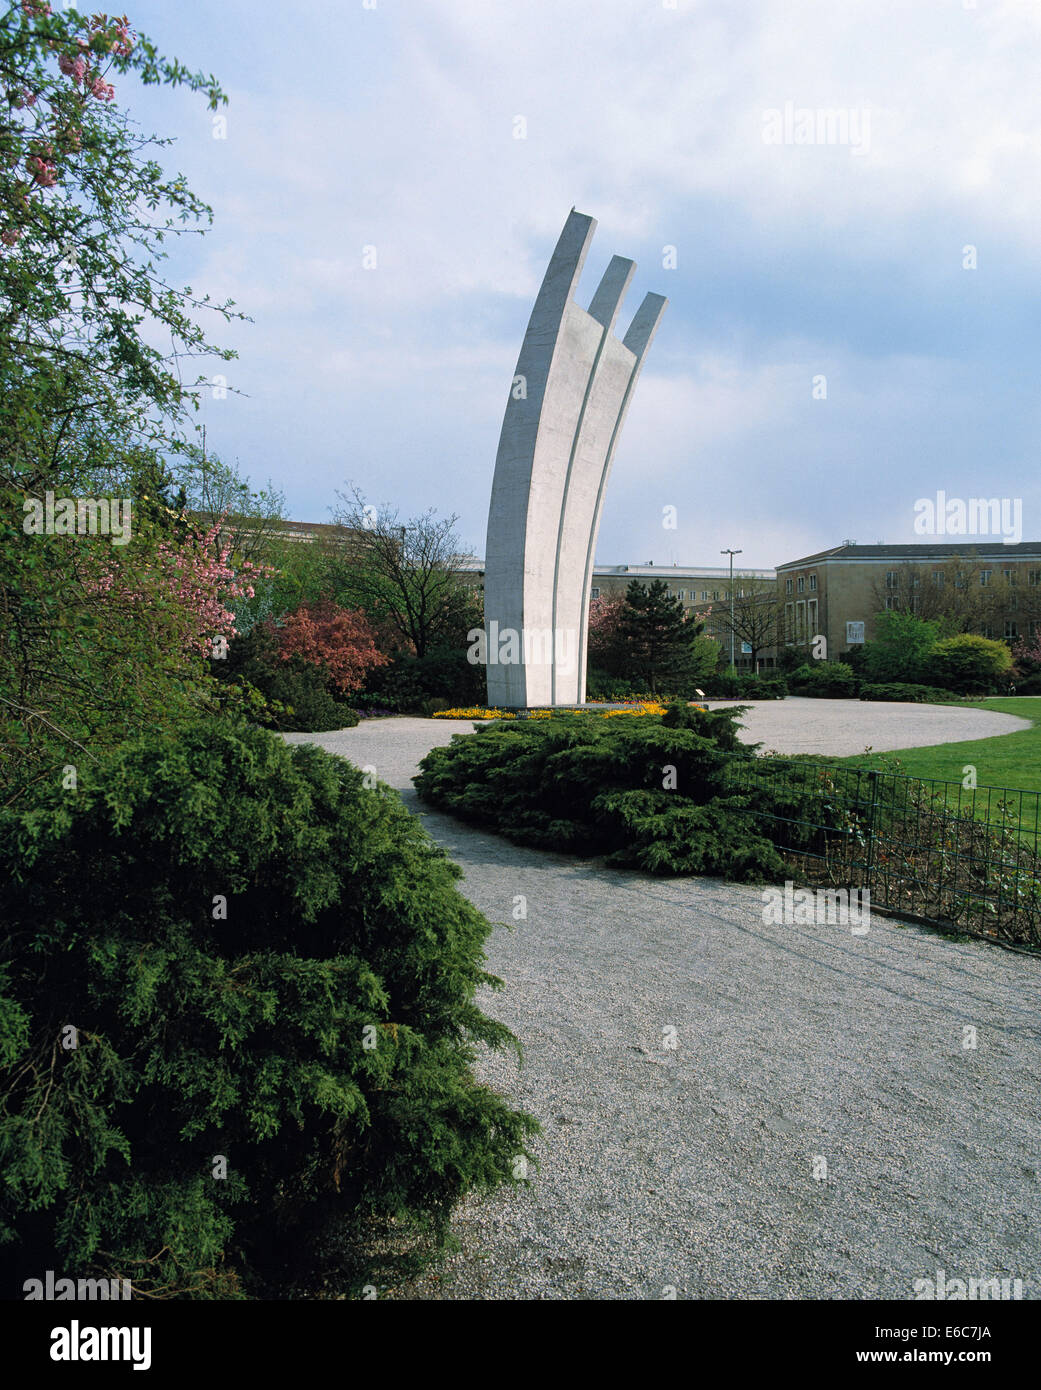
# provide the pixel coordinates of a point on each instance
(1007, 760)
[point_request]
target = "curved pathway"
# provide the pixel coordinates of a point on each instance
(735, 1109)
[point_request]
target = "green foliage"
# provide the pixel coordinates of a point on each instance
(296, 695)
(82, 243)
(739, 685)
(900, 690)
(899, 650)
(826, 680)
(244, 1036)
(411, 683)
(651, 792)
(81, 667)
(969, 664)
(654, 646)
(93, 348)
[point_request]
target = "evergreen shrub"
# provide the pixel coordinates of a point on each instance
(652, 793)
(264, 960)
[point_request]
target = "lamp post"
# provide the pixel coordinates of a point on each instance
(731, 553)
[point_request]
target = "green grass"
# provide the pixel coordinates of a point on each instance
(1006, 760)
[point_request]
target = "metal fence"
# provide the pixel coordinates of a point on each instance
(965, 859)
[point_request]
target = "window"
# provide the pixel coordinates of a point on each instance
(683, 595)
(985, 577)
(811, 613)
(715, 595)
(800, 584)
(813, 583)
(892, 604)
(787, 586)
(1010, 576)
(704, 595)
(594, 593)
(800, 621)
(1011, 631)
(1034, 577)
(916, 581)
(789, 622)
(938, 578)
(891, 579)
(916, 603)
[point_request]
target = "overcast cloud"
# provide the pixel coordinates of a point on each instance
(394, 128)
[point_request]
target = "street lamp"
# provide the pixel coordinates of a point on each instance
(731, 553)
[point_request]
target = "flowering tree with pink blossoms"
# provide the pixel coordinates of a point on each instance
(189, 582)
(98, 643)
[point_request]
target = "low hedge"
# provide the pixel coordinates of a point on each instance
(743, 685)
(651, 793)
(825, 680)
(905, 691)
(262, 959)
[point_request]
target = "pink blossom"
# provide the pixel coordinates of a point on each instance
(44, 174)
(104, 91)
(10, 237)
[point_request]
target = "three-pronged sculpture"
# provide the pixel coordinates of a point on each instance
(570, 393)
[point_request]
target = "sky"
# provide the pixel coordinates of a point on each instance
(853, 320)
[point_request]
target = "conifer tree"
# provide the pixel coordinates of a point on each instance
(660, 649)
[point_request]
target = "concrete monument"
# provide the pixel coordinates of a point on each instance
(570, 394)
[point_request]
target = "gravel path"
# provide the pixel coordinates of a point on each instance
(688, 1171)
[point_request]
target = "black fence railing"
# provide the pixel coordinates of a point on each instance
(962, 858)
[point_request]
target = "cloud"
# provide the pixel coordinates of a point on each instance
(396, 129)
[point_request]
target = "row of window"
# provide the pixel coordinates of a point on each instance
(684, 595)
(1009, 575)
(800, 620)
(800, 585)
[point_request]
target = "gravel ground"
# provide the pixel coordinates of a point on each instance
(689, 1170)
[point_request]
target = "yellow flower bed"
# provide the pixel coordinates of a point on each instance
(645, 707)
(473, 714)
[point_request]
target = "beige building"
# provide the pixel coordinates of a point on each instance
(986, 587)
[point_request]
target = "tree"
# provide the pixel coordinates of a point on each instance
(658, 648)
(84, 214)
(757, 616)
(93, 642)
(403, 574)
(246, 518)
(900, 648)
(964, 593)
(338, 641)
(969, 663)
(605, 616)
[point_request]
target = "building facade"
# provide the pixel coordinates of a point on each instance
(986, 587)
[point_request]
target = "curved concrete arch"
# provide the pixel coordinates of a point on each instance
(570, 394)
